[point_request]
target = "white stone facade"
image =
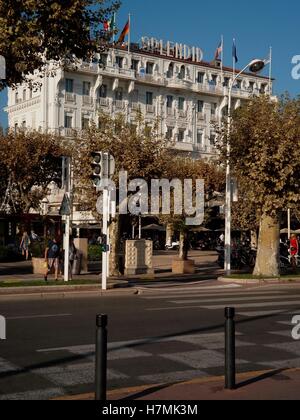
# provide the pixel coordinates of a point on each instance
(187, 97)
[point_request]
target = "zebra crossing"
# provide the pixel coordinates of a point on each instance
(264, 341)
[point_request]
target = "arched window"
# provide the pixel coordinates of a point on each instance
(170, 72)
(182, 73)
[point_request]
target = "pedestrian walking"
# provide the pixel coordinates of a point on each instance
(294, 250)
(24, 245)
(52, 257)
(73, 256)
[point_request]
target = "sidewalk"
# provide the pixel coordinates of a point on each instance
(266, 385)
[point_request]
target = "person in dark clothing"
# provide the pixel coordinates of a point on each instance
(52, 256)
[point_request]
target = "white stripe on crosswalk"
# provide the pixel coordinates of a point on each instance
(237, 306)
(194, 294)
(231, 299)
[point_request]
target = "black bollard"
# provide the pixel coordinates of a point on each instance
(230, 372)
(101, 358)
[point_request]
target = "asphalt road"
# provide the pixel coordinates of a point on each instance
(162, 335)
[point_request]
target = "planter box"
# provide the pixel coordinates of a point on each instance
(183, 267)
(38, 266)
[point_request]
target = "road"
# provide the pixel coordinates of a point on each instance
(164, 334)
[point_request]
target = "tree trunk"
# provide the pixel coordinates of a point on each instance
(169, 234)
(184, 246)
(267, 261)
(115, 269)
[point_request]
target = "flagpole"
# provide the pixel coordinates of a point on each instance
(114, 28)
(222, 56)
(270, 71)
(233, 59)
(129, 33)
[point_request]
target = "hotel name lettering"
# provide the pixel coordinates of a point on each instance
(172, 49)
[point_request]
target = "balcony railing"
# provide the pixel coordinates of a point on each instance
(182, 113)
(170, 112)
(201, 116)
(135, 106)
(103, 102)
(70, 97)
(150, 109)
(87, 100)
(119, 104)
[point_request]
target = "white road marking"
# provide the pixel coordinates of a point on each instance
(231, 299)
(204, 295)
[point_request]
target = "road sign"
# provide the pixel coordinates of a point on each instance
(65, 209)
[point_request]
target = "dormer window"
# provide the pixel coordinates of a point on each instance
(119, 62)
(149, 68)
(200, 78)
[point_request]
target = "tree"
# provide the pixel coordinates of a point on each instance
(188, 168)
(34, 32)
(137, 149)
(265, 157)
(29, 162)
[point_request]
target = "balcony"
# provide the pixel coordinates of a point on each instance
(70, 97)
(69, 132)
(170, 112)
(201, 116)
(180, 83)
(117, 71)
(135, 106)
(87, 100)
(151, 79)
(119, 104)
(103, 102)
(150, 109)
(182, 113)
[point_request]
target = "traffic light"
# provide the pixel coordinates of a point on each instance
(96, 168)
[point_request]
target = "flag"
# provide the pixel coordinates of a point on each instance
(219, 51)
(109, 25)
(234, 52)
(124, 33)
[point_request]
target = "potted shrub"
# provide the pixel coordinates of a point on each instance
(37, 251)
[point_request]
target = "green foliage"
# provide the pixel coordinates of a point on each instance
(29, 162)
(36, 31)
(94, 253)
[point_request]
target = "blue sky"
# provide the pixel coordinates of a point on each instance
(256, 25)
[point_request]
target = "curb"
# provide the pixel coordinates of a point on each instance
(262, 281)
(125, 392)
(61, 292)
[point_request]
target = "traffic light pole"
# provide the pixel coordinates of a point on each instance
(105, 232)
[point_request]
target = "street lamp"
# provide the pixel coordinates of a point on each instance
(254, 66)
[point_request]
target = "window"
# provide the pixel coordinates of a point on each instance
(68, 121)
(226, 81)
(214, 79)
(85, 122)
(181, 104)
(263, 89)
(69, 85)
(181, 135)
(149, 68)
(170, 72)
(16, 127)
(200, 137)
(200, 107)
(200, 78)
(251, 86)
(149, 98)
(103, 91)
(214, 108)
(30, 93)
(119, 62)
(103, 60)
(238, 84)
(86, 88)
(16, 97)
(212, 140)
(24, 124)
(182, 73)
(169, 134)
(169, 101)
(119, 94)
(135, 65)
(24, 94)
